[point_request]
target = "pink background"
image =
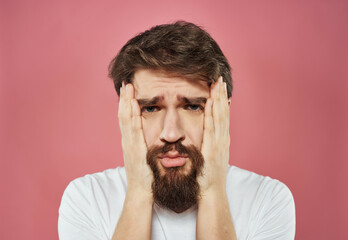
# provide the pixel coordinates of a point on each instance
(58, 109)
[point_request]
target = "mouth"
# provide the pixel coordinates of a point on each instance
(170, 160)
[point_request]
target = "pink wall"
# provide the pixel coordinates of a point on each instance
(58, 110)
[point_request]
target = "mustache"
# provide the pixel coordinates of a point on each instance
(178, 146)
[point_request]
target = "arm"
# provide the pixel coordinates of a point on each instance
(214, 218)
(136, 218)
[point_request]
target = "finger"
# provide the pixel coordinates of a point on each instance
(137, 124)
(223, 94)
(227, 104)
(124, 111)
(220, 110)
(222, 88)
(122, 105)
(225, 88)
(208, 127)
(122, 90)
(208, 117)
(136, 119)
(214, 89)
(127, 108)
(129, 91)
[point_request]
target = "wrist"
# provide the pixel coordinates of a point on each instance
(216, 185)
(214, 193)
(138, 195)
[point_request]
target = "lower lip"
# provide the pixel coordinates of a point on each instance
(173, 162)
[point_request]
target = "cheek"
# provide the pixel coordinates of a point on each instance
(151, 131)
(194, 130)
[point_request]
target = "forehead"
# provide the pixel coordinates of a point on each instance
(150, 83)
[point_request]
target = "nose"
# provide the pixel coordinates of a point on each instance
(172, 130)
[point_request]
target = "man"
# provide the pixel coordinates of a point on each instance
(174, 85)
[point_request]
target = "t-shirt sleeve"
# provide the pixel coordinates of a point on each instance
(76, 220)
(277, 216)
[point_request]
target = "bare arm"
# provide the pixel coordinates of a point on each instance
(214, 218)
(136, 218)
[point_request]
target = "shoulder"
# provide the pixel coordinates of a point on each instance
(91, 186)
(105, 179)
(266, 204)
(244, 180)
(106, 176)
(88, 201)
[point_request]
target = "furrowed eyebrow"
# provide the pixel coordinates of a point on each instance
(149, 101)
(198, 100)
(157, 99)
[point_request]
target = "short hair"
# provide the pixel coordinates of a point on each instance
(182, 49)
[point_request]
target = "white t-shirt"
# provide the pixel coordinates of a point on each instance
(261, 208)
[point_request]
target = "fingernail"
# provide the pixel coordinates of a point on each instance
(220, 80)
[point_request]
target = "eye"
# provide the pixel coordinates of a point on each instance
(194, 107)
(149, 109)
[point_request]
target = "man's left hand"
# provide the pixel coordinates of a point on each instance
(216, 140)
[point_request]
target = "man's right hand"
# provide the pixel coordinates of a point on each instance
(136, 219)
(139, 174)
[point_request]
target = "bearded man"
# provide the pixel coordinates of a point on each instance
(174, 86)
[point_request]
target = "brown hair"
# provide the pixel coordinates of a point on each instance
(182, 49)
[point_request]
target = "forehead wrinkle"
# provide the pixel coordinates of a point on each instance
(194, 100)
(150, 101)
(162, 87)
(164, 84)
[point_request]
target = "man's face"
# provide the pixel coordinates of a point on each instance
(172, 110)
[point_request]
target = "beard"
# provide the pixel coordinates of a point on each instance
(175, 188)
